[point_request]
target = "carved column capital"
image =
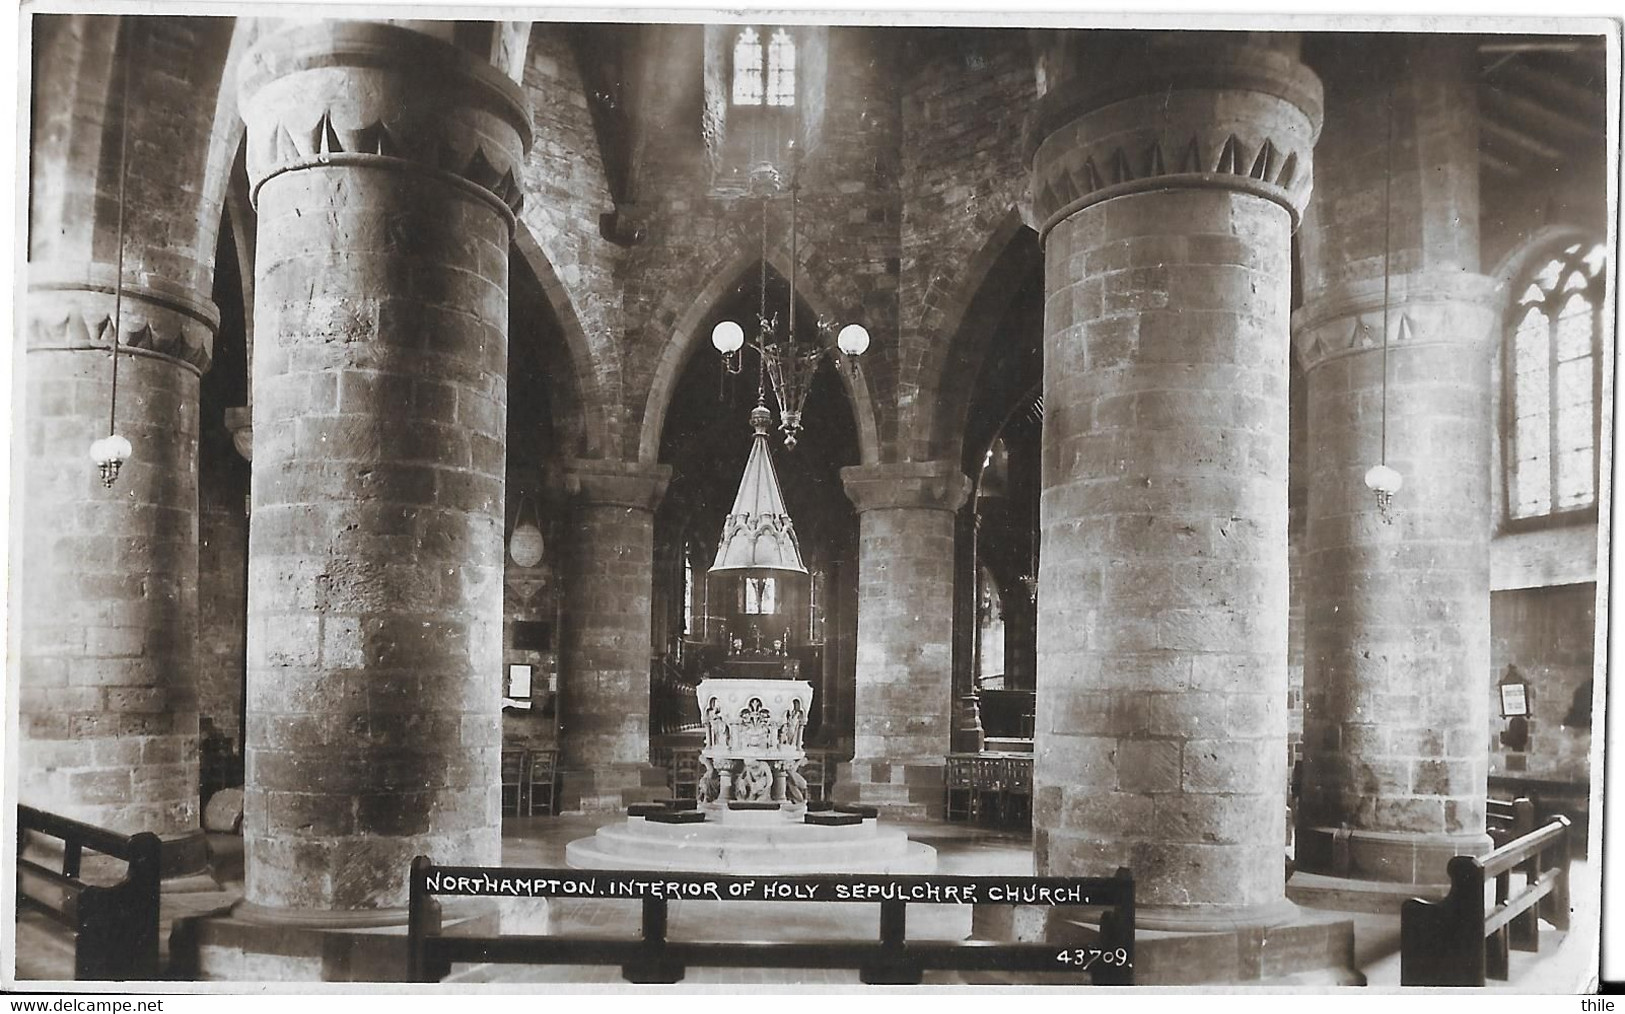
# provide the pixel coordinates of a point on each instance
(602, 482)
(1424, 308)
(364, 93)
(926, 485)
(1174, 110)
(71, 308)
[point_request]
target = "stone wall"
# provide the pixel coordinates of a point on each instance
(1542, 637)
(565, 192)
(963, 177)
(698, 245)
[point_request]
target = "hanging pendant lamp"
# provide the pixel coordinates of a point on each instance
(526, 545)
(109, 453)
(1383, 480)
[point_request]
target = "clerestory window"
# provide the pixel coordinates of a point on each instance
(1553, 377)
(764, 69)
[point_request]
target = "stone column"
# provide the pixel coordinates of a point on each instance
(382, 163)
(107, 578)
(604, 648)
(1169, 179)
(904, 706)
(1397, 632)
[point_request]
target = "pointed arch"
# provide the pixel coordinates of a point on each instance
(687, 337)
(934, 428)
(596, 436)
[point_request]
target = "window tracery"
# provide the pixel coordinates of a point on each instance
(1552, 376)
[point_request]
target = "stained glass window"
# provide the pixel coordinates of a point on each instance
(1552, 371)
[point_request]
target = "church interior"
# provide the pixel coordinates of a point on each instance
(1164, 450)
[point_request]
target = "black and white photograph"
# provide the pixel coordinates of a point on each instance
(1067, 506)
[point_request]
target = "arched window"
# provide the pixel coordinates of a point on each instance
(764, 73)
(760, 596)
(748, 68)
(1553, 376)
(688, 589)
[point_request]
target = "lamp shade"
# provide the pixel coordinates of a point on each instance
(728, 337)
(853, 340)
(109, 449)
(526, 545)
(1382, 479)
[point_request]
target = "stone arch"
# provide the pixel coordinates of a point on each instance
(596, 437)
(687, 338)
(992, 279)
(179, 153)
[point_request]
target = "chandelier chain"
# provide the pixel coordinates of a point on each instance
(123, 163)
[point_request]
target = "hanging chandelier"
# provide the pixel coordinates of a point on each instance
(788, 365)
(1382, 479)
(109, 453)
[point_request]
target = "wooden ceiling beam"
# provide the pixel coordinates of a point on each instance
(1496, 166)
(1537, 117)
(1586, 103)
(1519, 139)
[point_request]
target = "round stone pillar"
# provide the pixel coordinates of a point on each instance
(903, 709)
(1169, 179)
(107, 577)
(1397, 614)
(382, 165)
(604, 648)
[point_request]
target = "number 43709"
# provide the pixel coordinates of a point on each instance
(1084, 957)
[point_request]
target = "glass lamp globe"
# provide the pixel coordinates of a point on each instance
(727, 337)
(853, 340)
(109, 449)
(1382, 479)
(526, 545)
(109, 454)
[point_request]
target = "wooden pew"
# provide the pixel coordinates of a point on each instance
(1462, 939)
(1509, 819)
(653, 958)
(114, 928)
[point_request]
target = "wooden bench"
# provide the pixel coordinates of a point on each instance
(653, 958)
(1464, 937)
(1508, 819)
(114, 928)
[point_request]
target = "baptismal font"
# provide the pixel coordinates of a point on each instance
(754, 710)
(751, 813)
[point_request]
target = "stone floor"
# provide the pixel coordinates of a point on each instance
(961, 849)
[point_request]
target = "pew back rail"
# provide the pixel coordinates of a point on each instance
(114, 927)
(892, 959)
(1464, 938)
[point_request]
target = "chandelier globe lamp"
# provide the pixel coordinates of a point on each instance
(784, 363)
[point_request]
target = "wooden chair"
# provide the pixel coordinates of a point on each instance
(513, 783)
(958, 787)
(539, 793)
(1018, 790)
(813, 771)
(684, 774)
(987, 785)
